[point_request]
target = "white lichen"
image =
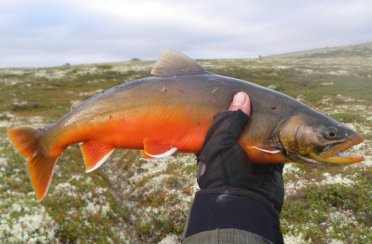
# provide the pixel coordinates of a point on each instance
(169, 239)
(32, 225)
(336, 179)
(294, 239)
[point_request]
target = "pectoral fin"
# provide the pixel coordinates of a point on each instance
(153, 149)
(267, 149)
(95, 154)
(260, 154)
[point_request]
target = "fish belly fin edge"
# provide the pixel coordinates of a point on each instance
(267, 149)
(154, 149)
(263, 154)
(95, 154)
(40, 165)
(145, 156)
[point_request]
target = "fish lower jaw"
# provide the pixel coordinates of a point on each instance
(340, 158)
(336, 154)
(337, 160)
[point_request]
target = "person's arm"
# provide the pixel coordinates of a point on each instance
(239, 202)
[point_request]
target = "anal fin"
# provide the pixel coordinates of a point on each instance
(95, 154)
(154, 149)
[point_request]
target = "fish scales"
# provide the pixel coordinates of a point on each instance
(172, 111)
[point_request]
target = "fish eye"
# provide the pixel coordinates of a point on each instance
(330, 133)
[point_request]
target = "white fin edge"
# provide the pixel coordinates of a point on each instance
(163, 155)
(100, 162)
(267, 151)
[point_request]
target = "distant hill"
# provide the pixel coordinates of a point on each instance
(360, 50)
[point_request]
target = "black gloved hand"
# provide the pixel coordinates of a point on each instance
(222, 161)
(235, 195)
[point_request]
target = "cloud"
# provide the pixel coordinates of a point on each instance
(45, 33)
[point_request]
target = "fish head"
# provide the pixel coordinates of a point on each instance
(311, 137)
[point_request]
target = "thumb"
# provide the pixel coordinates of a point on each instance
(241, 101)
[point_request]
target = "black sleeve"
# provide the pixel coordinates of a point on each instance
(230, 207)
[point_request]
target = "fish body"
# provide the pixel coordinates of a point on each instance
(172, 111)
(175, 111)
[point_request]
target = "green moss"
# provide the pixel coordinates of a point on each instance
(348, 117)
(310, 212)
(173, 182)
(190, 169)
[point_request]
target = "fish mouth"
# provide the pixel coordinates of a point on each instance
(335, 154)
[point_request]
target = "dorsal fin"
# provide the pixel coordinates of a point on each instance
(175, 63)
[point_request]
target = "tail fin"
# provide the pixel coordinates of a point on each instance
(39, 164)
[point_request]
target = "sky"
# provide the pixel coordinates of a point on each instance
(42, 33)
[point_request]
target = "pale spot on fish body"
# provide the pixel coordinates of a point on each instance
(215, 91)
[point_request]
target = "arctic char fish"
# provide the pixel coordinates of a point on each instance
(172, 111)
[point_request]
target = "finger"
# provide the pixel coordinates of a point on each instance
(241, 101)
